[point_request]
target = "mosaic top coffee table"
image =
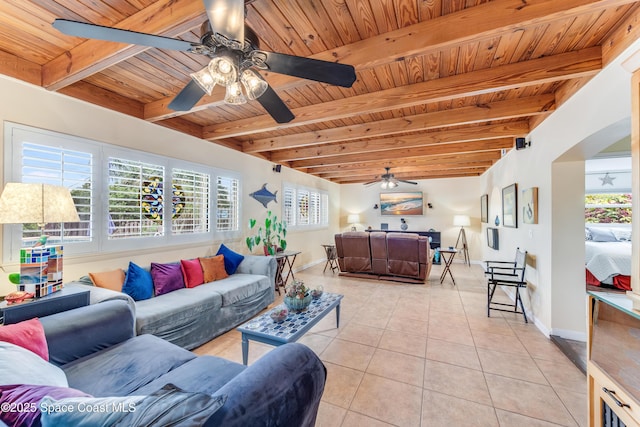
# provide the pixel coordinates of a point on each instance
(263, 329)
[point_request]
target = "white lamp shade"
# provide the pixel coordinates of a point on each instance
(461, 220)
(22, 203)
(353, 219)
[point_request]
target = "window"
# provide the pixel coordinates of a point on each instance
(136, 200)
(126, 199)
(190, 199)
(608, 183)
(608, 208)
(228, 204)
(305, 207)
(68, 168)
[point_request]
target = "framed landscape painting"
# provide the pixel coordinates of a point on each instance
(510, 206)
(409, 203)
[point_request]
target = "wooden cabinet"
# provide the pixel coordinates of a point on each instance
(613, 365)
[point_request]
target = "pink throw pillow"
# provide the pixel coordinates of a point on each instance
(192, 272)
(28, 334)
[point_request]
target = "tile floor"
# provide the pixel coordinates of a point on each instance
(427, 355)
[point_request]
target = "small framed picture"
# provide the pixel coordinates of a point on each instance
(510, 206)
(530, 206)
(484, 208)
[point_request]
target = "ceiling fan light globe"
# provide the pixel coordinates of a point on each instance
(254, 84)
(223, 71)
(393, 184)
(234, 94)
(204, 80)
(384, 185)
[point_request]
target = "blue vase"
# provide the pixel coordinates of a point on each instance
(497, 220)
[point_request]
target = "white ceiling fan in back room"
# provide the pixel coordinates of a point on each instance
(388, 180)
(235, 59)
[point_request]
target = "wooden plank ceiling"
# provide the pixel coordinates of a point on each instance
(443, 86)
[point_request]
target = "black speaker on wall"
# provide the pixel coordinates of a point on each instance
(522, 143)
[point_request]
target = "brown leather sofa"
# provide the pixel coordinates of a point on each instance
(396, 256)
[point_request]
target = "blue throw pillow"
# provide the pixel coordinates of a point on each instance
(138, 284)
(231, 259)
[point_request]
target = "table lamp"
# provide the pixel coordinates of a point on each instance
(463, 221)
(22, 203)
(353, 219)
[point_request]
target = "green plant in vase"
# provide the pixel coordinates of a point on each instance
(271, 235)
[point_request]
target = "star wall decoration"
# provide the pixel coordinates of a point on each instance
(607, 179)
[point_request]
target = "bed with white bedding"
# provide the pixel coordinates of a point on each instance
(608, 261)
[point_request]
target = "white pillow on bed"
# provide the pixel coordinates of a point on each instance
(602, 235)
(622, 234)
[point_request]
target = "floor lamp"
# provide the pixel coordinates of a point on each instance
(463, 221)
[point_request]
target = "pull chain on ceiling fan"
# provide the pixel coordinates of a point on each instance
(235, 57)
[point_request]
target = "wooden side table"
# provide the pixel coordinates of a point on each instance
(447, 256)
(285, 259)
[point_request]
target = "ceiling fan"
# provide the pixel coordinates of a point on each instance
(235, 57)
(388, 180)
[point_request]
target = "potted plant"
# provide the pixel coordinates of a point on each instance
(271, 235)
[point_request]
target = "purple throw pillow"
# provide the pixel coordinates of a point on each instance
(25, 399)
(166, 277)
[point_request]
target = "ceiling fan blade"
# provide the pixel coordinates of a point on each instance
(275, 106)
(370, 183)
(226, 17)
(187, 98)
(312, 69)
(99, 32)
(407, 182)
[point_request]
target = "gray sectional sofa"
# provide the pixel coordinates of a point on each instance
(189, 317)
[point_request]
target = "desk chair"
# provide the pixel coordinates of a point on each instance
(507, 273)
(332, 258)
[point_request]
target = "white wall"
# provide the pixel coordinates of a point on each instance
(448, 197)
(30, 105)
(554, 160)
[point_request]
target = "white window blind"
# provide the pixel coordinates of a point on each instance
(228, 204)
(68, 168)
(324, 201)
(136, 199)
(314, 208)
(190, 199)
(303, 207)
(289, 206)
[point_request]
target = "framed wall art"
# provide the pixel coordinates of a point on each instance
(409, 203)
(484, 208)
(530, 206)
(510, 206)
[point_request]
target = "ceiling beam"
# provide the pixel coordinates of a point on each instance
(406, 171)
(440, 33)
(470, 133)
(499, 110)
(18, 68)
(168, 18)
(448, 173)
(517, 75)
(104, 98)
(452, 148)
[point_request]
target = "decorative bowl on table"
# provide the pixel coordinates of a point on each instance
(317, 292)
(279, 314)
(297, 296)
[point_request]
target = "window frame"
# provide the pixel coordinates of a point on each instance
(15, 134)
(321, 205)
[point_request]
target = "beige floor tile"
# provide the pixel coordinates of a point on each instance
(503, 343)
(354, 419)
(440, 410)
(414, 345)
(318, 343)
(577, 404)
(455, 354)
(509, 419)
(541, 347)
(465, 383)
(421, 315)
(341, 385)
(397, 366)
(329, 415)
(511, 365)
(361, 334)
(389, 401)
(562, 374)
(492, 325)
(348, 354)
(454, 334)
(533, 400)
(405, 324)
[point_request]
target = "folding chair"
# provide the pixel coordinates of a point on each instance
(507, 273)
(332, 258)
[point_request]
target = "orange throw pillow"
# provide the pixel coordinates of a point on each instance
(109, 279)
(213, 268)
